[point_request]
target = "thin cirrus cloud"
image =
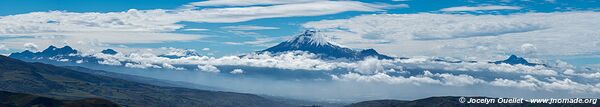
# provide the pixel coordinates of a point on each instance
(479, 8)
(248, 27)
(468, 36)
(158, 22)
(245, 2)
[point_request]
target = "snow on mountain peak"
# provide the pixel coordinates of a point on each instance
(314, 42)
(311, 37)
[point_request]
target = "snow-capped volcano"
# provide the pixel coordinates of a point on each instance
(514, 60)
(314, 42)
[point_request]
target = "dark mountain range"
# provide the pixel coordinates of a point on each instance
(10, 99)
(453, 102)
(515, 60)
(54, 54)
(57, 82)
(313, 42)
(51, 51)
(109, 51)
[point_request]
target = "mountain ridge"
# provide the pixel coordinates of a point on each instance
(313, 42)
(516, 60)
(48, 80)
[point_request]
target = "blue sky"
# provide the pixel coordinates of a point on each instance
(223, 41)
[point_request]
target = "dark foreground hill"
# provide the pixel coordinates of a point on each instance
(452, 102)
(10, 99)
(57, 82)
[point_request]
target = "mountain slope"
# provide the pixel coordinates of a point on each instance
(48, 80)
(313, 42)
(514, 60)
(10, 99)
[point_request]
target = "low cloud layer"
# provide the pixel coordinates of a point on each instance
(429, 71)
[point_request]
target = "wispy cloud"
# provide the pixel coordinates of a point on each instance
(468, 36)
(157, 23)
(195, 29)
(245, 2)
(480, 8)
(248, 27)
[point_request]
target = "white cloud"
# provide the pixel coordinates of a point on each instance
(380, 71)
(240, 14)
(155, 25)
(258, 42)
(480, 8)
(533, 83)
(245, 2)
(93, 40)
(195, 29)
(524, 69)
(527, 49)
(31, 46)
(464, 35)
(237, 71)
(382, 77)
(205, 49)
(159, 20)
(3, 47)
(370, 66)
(110, 62)
(248, 27)
(169, 66)
(426, 78)
(141, 65)
(208, 68)
(585, 75)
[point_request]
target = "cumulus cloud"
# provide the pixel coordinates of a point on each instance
(480, 8)
(527, 49)
(533, 83)
(208, 68)
(519, 68)
(3, 47)
(371, 66)
(169, 66)
(585, 75)
(426, 78)
(110, 62)
(237, 71)
(31, 46)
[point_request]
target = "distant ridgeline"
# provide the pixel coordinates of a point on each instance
(310, 41)
(515, 60)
